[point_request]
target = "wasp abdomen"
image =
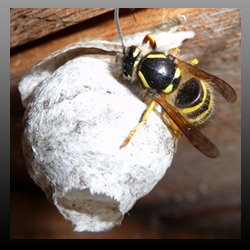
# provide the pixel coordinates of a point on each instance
(196, 101)
(190, 94)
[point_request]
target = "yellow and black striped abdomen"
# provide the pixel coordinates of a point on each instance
(196, 101)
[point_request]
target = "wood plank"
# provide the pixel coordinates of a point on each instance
(28, 24)
(202, 21)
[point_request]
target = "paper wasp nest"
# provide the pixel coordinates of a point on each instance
(77, 116)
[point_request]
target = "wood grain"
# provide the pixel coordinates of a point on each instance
(30, 24)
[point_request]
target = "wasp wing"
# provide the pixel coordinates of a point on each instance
(221, 86)
(201, 142)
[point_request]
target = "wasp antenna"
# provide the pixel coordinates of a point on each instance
(116, 16)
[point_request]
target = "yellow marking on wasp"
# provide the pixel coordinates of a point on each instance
(175, 52)
(177, 73)
(194, 62)
(149, 38)
(135, 64)
(143, 80)
(168, 89)
(192, 109)
(136, 52)
(143, 120)
(174, 126)
(156, 56)
(200, 117)
(128, 78)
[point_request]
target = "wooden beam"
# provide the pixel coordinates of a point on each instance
(29, 24)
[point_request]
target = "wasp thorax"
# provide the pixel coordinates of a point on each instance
(157, 71)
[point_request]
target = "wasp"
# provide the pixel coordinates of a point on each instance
(185, 92)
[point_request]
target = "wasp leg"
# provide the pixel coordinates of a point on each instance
(142, 121)
(176, 129)
(194, 62)
(149, 38)
(175, 51)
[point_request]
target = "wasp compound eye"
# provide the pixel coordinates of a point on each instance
(130, 57)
